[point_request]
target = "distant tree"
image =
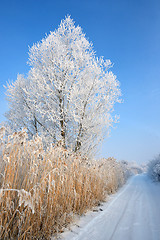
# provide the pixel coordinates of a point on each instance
(154, 168)
(69, 93)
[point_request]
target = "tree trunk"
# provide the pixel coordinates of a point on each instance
(35, 125)
(62, 122)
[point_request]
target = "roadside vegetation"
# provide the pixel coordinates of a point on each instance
(42, 189)
(59, 113)
(154, 168)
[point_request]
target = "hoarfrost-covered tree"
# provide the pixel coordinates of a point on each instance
(69, 93)
(154, 168)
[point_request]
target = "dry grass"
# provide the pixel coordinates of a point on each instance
(40, 190)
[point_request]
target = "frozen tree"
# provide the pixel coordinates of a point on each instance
(20, 114)
(154, 168)
(69, 93)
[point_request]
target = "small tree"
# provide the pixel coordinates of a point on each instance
(69, 92)
(154, 168)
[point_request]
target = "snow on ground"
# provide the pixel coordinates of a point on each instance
(131, 214)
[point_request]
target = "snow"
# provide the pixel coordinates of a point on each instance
(131, 214)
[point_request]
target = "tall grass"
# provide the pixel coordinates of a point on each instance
(40, 190)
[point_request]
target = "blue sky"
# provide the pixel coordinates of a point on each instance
(126, 32)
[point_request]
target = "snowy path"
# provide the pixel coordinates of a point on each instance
(133, 214)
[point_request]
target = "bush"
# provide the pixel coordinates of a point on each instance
(40, 190)
(154, 168)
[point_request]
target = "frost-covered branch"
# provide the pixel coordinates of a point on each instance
(68, 94)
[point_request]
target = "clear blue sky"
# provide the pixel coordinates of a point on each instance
(126, 32)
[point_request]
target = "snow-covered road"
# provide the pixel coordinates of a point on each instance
(132, 214)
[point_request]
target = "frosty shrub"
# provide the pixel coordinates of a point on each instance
(131, 168)
(41, 190)
(68, 94)
(154, 168)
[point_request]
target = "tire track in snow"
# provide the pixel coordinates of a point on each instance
(131, 198)
(132, 214)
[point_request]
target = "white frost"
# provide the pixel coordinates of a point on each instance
(133, 213)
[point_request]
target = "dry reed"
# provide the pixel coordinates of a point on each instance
(40, 190)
